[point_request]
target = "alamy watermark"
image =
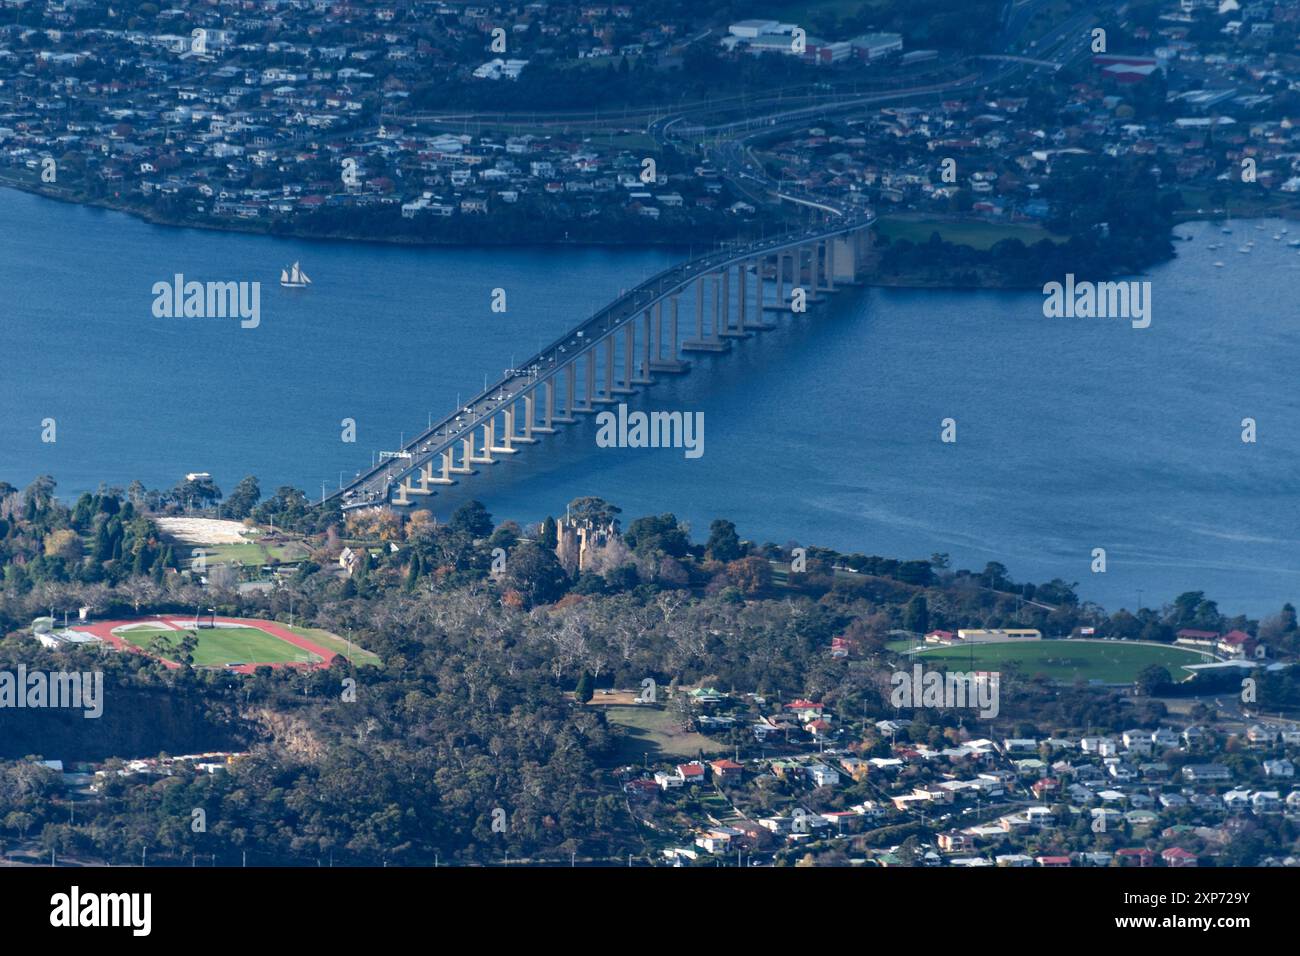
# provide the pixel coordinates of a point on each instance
(76, 909)
(208, 300)
(55, 689)
(651, 430)
(947, 690)
(1099, 300)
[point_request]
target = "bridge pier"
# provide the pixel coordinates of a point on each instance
(548, 405)
(513, 437)
(444, 477)
(642, 375)
(421, 489)
(671, 365)
(486, 458)
(758, 324)
(630, 380)
(814, 295)
(607, 396)
(847, 258)
(570, 385)
(588, 398)
(507, 444)
(830, 265)
(467, 446)
(701, 343)
(726, 330)
(782, 304)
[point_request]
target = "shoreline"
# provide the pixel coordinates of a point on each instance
(234, 227)
(237, 228)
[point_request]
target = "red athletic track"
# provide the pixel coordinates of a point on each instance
(104, 630)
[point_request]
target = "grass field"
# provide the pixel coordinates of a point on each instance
(218, 646)
(250, 553)
(651, 730)
(332, 642)
(1113, 662)
(978, 235)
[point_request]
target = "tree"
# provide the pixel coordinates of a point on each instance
(39, 494)
(751, 576)
(535, 573)
(199, 491)
(995, 576)
(585, 690)
(916, 616)
(361, 573)
(20, 821)
(471, 519)
(243, 499)
(724, 543)
(654, 535)
(1153, 679)
(64, 543)
(596, 510)
(548, 537)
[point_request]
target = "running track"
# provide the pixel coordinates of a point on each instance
(104, 630)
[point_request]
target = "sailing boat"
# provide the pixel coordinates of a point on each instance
(294, 278)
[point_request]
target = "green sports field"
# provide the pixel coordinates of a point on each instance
(1112, 662)
(978, 235)
(218, 646)
(332, 642)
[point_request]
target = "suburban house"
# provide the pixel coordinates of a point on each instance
(1206, 773)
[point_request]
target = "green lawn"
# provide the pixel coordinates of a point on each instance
(978, 235)
(1114, 662)
(652, 730)
(217, 646)
(249, 553)
(332, 642)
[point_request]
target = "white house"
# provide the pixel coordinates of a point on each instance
(668, 781)
(1266, 801)
(823, 776)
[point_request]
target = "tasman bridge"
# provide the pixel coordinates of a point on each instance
(698, 306)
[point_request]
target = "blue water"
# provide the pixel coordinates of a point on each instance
(1073, 434)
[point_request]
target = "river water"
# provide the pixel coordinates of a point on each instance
(1072, 434)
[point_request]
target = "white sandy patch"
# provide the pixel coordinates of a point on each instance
(204, 530)
(190, 625)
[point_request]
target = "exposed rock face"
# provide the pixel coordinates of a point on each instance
(288, 732)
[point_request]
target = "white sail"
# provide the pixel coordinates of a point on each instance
(294, 277)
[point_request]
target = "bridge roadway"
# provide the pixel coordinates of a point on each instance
(816, 259)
